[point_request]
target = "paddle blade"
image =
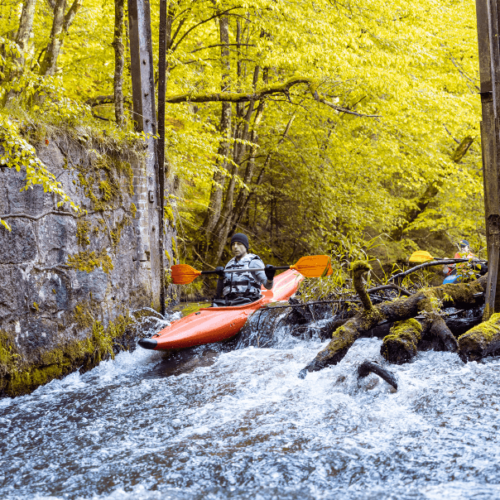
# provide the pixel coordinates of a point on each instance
(182, 274)
(420, 257)
(313, 266)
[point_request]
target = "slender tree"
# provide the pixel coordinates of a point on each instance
(119, 49)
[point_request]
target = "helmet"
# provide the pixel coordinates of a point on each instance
(464, 243)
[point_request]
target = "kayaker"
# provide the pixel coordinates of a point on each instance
(244, 287)
(464, 252)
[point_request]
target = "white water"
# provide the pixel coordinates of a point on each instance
(243, 425)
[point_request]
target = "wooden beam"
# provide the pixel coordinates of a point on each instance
(489, 69)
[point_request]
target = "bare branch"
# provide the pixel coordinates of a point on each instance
(220, 45)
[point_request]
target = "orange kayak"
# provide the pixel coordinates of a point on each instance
(214, 324)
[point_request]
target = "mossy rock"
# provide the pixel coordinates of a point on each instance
(18, 377)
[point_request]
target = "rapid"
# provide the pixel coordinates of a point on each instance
(236, 422)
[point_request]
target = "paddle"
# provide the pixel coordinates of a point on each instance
(312, 266)
(427, 260)
(423, 256)
(420, 257)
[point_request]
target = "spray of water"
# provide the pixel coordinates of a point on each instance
(240, 424)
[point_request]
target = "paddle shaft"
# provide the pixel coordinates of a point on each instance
(246, 270)
(431, 263)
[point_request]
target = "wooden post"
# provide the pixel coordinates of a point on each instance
(489, 68)
(143, 90)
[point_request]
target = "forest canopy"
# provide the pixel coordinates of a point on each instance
(303, 124)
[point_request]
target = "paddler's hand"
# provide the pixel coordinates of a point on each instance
(270, 272)
(219, 271)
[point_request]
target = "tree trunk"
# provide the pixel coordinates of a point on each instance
(119, 62)
(224, 224)
(215, 204)
(244, 198)
(22, 39)
(26, 24)
(60, 27)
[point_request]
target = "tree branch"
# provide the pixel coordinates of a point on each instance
(279, 88)
(220, 45)
(70, 15)
(218, 14)
(106, 99)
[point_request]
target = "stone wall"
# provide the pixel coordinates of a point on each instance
(69, 283)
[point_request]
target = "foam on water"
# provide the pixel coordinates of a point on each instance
(245, 426)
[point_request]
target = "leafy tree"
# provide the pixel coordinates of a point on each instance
(300, 123)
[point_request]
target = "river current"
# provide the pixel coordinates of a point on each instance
(242, 425)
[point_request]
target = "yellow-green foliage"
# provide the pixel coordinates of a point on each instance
(174, 249)
(169, 213)
(126, 168)
(133, 209)
(168, 277)
(88, 261)
(8, 354)
(105, 187)
(191, 308)
(82, 233)
(480, 341)
(460, 293)
(409, 330)
(408, 67)
(342, 338)
(18, 153)
(167, 255)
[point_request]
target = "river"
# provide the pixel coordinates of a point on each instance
(242, 425)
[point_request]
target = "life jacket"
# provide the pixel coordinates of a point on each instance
(244, 283)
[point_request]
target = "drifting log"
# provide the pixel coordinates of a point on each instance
(482, 340)
(368, 367)
(425, 301)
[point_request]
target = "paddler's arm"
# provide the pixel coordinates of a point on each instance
(262, 276)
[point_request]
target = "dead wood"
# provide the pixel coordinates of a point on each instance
(368, 367)
(482, 340)
(401, 344)
(425, 302)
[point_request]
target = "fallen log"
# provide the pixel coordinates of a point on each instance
(367, 367)
(425, 302)
(401, 344)
(482, 340)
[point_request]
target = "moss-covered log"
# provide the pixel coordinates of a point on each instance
(482, 340)
(426, 301)
(401, 344)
